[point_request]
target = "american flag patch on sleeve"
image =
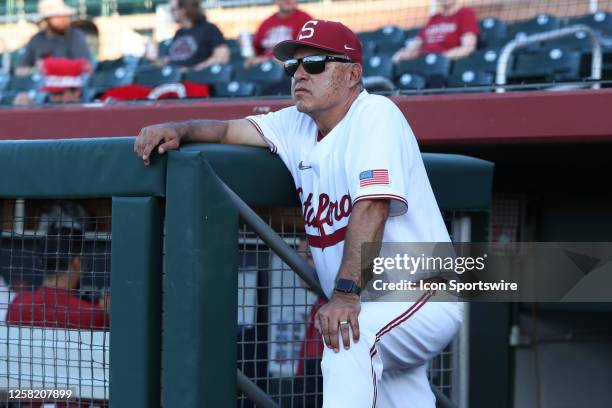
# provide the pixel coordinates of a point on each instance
(373, 177)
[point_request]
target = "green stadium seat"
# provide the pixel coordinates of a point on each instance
(482, 60)
(493, 33)
(434, 68)
(600, 21)
(538, 24)
(578, 41)
(158, 76)
(556, 64)
(408, 81)
(24, 83)
(235, 51)
(102, 80)
(266, 72)
(212, 75)
(385, 39)
(469, 78)
(234, 89)
(378, 65)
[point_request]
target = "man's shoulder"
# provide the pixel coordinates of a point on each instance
(38, 37)
(370, 104)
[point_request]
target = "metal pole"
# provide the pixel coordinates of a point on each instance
(462, 232)
(504, 58)
(254, 393)
(276, 243)
(593, 6)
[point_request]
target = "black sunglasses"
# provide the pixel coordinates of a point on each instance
(313, 64)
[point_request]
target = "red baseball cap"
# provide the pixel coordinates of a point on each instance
(62, 73)
(326, 35)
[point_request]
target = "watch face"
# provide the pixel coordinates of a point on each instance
(344, 285)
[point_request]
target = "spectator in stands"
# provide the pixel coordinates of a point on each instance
(56, 39)
(452, 33)
(56, 303)
(280, 26)
(197, 44)
(63, 81)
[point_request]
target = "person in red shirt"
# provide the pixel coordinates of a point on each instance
(56, 303)
(452, 33)
(282, 25)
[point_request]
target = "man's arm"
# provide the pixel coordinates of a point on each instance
(410, 52)
(220, 55)
(366, 224)
(468, 45)
(172, 134)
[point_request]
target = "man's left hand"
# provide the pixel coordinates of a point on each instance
(336, 316)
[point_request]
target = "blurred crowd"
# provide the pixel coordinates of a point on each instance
(453, 49)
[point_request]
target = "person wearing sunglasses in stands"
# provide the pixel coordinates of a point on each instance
(360, 178)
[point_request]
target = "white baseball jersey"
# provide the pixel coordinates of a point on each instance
(370, 154)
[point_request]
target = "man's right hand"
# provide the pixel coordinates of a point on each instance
(151, 136)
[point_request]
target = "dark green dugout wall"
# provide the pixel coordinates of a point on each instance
(180, 195)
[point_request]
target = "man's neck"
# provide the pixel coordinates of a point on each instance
(328, 119)
(451, 10)
(285, 14)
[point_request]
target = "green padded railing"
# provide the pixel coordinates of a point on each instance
(179, 198)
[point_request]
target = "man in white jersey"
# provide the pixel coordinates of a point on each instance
(360, 177)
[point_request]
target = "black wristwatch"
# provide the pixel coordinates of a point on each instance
(347, 286)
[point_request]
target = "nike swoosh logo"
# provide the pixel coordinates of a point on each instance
(346, 47)
(302, 166)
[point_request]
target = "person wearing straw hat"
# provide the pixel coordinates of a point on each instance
(56, 39)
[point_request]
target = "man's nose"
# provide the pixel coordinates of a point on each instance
(300, 73)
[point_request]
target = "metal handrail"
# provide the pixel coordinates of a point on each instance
(504, 58)
(304, 271)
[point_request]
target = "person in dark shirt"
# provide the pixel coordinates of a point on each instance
(57, 39)
(56, 302)
(197, 44)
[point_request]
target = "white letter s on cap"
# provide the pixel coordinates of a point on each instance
(307, 31)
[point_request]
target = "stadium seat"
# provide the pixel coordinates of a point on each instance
(410, 82)
(235, 51)
(469, 78)
(549, 65)
(103, 80)
(538, 24)
(482, 60)
(265, 72)
(24, 83)
(385, 39)
(434, 68)
(600, 21)
(212, 75)
(378, 65)
(234, 88)
(579, 41)
(157, 76)
(4, 79)
(493, 33)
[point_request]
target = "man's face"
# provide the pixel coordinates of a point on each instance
(69, 95)
(286, 6)
(447, 4)
(59, 24)
(316, 92)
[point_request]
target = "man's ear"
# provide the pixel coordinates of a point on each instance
(355, 73)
